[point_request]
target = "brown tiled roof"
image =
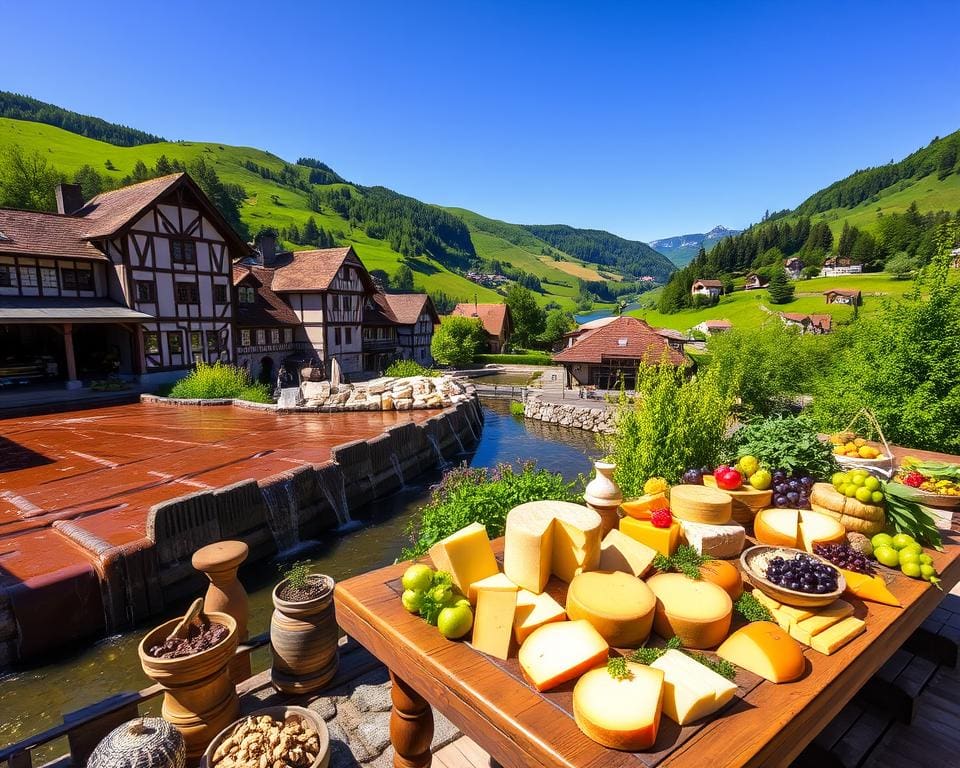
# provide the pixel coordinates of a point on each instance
(495, 317)
(407, 307)
(37, 233)
(709, 283)
(669, 333)
(268, 309)
(627, 337)
(315, 270)
(843, 292)
(718, 324)
(818, 321)
(110, 211)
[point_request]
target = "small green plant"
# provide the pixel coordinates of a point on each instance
(220, 381)
(525, 358)
(297, 574)
(405, 368)
(790, 443)
(516, 408)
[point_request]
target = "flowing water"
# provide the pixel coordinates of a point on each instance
(34, 700)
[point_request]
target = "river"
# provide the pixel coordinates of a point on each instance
(35, 699)
(586, 317)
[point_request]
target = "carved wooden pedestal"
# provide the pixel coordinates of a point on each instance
(411, 726)
(220, 562)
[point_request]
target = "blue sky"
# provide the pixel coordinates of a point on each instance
(645, 120)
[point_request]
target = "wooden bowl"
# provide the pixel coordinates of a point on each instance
(312, 718)
(750, 565)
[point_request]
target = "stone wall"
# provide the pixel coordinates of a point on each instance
(384, 394)
(595, 417)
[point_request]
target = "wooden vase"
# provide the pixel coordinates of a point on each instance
(220, 562)
(304, 639)
(603, 495)
(199, 699)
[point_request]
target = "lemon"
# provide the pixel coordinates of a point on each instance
(872, 483)
(864, 495)
(912, 547)
(926, 559)
(881, 540)
(877, 497)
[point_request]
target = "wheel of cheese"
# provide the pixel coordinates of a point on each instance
(696, 611)
(825, 495)
(700, 504)
(618, 605)
(725, 575)
(620, 713)
(746, 500)
(816, 528)
(766, 650)
(777, 527)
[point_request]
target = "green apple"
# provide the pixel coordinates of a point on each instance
(887, 556)
(908, 556)
(455, 621)
(901, 540)
(927, 571)
(881, 540)
(863, 495)
(839, 480)
(912, 570)
(925, 559)
(418, 577)
(761, 479)
(872, 483)
(876, 497)
(412, 599)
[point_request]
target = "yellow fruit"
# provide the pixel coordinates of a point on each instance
(859, 441)
(838, 449)
(655, 485)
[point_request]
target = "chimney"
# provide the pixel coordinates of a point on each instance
(268, 248)
(69, 198)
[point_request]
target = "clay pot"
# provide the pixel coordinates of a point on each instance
(313, 720)
(199, 698)
(304, 639)
(220, 562)
(603, 495)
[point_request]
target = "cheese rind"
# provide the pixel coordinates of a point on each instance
(766, 650)
(619, 606)
(835, 637)
(620, 713)
(466, 555)
(534, 611)
(664, 540)
(544, 537)
(697, 612)
(561, 651)
(715, 540)
(691, 691)
(619, 552)
(493, 624)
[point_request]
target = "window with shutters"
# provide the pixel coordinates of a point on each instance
(196, 341)
(261, 336)
(245, 294)
(151, 342)
(274, 335)
(245, 338)
(213, 341)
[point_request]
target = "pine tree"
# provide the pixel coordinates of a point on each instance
(780, 287)
(163, 166)
(311, 234)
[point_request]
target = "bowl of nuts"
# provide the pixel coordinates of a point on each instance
(275, 737)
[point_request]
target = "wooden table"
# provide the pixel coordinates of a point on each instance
(520, 729)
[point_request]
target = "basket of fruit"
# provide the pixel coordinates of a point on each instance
(792, 576)
(937, 483)
(851, 449)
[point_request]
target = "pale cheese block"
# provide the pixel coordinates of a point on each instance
(766, 650)
(466, 555)
(718, 541)
(619, 552)
(803, 631)
(697, 612)
(835, 637)
(550, 537)
(618, 605)
(801, 528)
(497, 582)
(620, 713)
(561, 651)
(493, 622)
(691, 691)
(817, 528)
(700, 504)
(534, 611)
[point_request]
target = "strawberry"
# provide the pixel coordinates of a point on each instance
(661, 518)
(913, 479)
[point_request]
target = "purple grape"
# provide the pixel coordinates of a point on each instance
(779, 476)
(806, 481)
(793, 497)
(780, 500)
(780, 488)
(693, 477)
(794, 485)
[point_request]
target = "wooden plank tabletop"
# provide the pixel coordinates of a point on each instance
(520, 728)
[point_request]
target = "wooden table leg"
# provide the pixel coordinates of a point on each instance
(411, 726)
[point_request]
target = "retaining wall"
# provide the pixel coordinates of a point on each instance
(594, 417)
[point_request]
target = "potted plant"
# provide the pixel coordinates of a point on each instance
(303, 631)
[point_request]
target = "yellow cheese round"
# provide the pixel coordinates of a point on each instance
(777, 527)
(620, 713)
(766, 650)
(698, 612)
(700, 504)
(618, 605)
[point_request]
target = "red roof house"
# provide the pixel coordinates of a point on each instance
(496, 320)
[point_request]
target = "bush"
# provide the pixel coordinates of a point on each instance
(674, 423)
(404, 368)
(220, 381)
(516, 408)
(478, 495)
(457, 340)
(526, 358)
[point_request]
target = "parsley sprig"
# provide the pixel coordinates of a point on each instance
(648, 654)
(752, 609)
(685, 560)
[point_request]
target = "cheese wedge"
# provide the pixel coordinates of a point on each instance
(837, 636)
(618, 552)
(801, 528)
(534, 611)
(766, 650)
(690, 690)
(803, 631)
(619, 606)
(493, 623)
(817, 528)
(868, 587)
(466, 555)
(561, 651)
(620, 713)
(715, 540)
(664, 540)
(643, 507)
(697, 612)
(550, 537)
(497, 582)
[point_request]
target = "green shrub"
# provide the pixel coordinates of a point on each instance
(478, 495)
(404, 368)
(527, 358)
(220, 381)
(673, 423)
(457, 340)
(516, 408)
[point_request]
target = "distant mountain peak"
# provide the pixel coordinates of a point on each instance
(681, 249)
(719, 231)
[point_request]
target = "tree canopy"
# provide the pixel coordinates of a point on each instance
(457, 341)
(528, 317)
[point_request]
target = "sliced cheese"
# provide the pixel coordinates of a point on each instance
(643, 507)
(619, 552)
(837, 636)
(620, 713)
(664, 540)
(697, 612)
(765, 599)
(796, 614)
(534, 611)
(803, 631)
(466, 555)
(691, 690)
(561, 651)
(817, 528)
(801, 528)
(618, 605)
(493, 623)
(700, 504)
(715, 540)
(497, 582)
(550, 537)
(766, 650)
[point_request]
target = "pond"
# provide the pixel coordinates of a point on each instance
(35, 699)
(586, 317)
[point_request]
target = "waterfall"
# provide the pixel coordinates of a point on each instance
(441, 462)
(473, 432)
(456, 436)
(337, 499)
(283, 514)
(397, 468)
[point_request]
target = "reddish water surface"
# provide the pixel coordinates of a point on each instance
(104, 468)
